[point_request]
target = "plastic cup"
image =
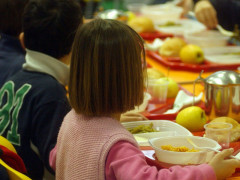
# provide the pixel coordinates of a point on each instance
(158, 90)
(220, 132)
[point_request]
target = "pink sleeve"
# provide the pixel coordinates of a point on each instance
(52, 158)
(125, 161)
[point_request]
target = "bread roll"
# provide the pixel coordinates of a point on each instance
(141, 24)
(235, 131)
(171, 47)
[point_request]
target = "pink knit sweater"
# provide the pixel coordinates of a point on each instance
(83, 145)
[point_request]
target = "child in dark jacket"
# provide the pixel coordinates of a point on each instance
(33, 102)
(11, 52)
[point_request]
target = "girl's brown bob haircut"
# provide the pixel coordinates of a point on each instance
(106, 72)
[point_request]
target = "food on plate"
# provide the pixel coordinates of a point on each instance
(171, 47)
(142, 129)
(141, 24)
(169, 24)
(192, 54)
(178, 149)
(154, 73)
(193, 118)
(235, 131)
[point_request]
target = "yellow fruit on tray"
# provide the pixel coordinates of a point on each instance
(141, 24)
(173, 88)
(192, 54)
(171, 47)
(193, 118)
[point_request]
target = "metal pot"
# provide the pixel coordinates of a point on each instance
(222, 94)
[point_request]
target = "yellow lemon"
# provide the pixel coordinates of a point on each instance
(172, 87)
(141, 24)
(193, 118)
(192, 54)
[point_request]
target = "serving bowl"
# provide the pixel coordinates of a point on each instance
(222, 92)
(183, 158)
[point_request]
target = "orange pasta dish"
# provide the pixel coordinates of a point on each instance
(178, 149)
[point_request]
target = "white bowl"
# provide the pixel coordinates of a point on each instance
(162, 12)
(183, 158)
(208, 38)
(165, 128)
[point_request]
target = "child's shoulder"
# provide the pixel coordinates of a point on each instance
(40, 84)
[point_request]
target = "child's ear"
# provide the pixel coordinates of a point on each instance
(21, 38)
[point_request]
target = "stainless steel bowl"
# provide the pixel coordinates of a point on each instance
(223, 78)
(222, 95)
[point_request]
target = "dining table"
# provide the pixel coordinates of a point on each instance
(185, 80)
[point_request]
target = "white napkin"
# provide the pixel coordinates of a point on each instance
(183, 99)
(155, 45)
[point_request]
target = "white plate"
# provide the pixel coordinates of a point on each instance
(186, 25)
(222, 55)
(165, 128)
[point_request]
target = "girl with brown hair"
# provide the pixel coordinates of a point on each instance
(106, 80)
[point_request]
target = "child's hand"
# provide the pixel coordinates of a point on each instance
(131, 116)
(224, 167)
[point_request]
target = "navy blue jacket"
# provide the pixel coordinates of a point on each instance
(3, 173)
(32, 110)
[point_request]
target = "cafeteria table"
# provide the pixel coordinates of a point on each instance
(186, 79)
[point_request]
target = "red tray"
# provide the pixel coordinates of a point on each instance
(153, 35)
(175, 63)
(155, 110)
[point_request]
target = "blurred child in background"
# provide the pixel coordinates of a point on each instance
(106, 80)
(214, 12)
(11, 52)
(33, 102)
